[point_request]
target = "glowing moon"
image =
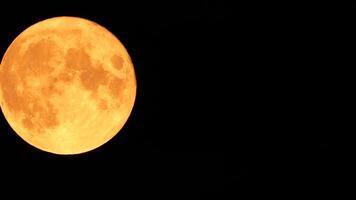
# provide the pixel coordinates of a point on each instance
(67, 85)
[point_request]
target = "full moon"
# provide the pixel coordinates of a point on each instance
(67, 85)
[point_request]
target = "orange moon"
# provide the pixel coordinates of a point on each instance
(67, 85)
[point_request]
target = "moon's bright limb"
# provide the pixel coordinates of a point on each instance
(67, 85)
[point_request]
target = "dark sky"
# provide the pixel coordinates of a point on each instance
(172, 142)
(231, 101)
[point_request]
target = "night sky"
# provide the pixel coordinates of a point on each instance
(171, 145)
(233, 102)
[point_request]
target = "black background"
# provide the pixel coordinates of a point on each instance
(232, 101)
(171, 145)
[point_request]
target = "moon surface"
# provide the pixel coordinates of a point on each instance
(67, 85)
